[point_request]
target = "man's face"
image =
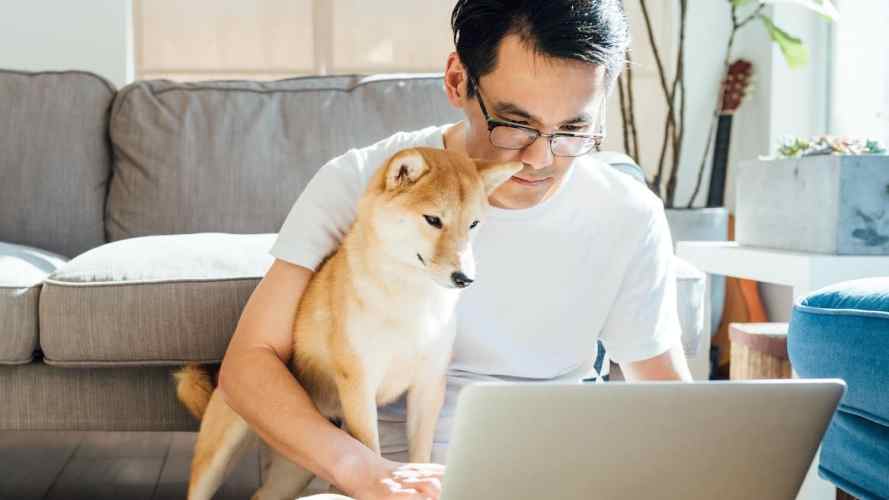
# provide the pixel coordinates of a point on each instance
(544, 93)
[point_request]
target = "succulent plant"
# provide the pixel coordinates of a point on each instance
(796, 147)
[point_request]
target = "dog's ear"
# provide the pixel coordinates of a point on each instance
(405, 168)
(495, 173)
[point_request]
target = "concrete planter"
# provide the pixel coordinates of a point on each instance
(703, 224)
(825, 204)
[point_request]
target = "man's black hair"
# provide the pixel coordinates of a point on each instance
(592, 31)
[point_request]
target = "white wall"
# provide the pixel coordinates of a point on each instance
(860, 73)
(91, 35)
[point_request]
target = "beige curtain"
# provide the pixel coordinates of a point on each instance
(268, 39)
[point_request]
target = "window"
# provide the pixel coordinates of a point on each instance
(270, 39)
(860, 71)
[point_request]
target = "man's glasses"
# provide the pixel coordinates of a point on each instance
(509, 135)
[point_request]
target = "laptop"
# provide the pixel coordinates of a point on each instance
(653, 440)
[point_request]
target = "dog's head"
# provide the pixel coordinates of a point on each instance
(427, 205)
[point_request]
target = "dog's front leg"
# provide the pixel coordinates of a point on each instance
(359, 404)
(426, 395)
(424, 401)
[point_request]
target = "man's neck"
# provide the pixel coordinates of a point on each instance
(455, 137)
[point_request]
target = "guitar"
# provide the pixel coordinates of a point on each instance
(742, 301)
(734, 90)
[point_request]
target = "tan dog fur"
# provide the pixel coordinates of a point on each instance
(375, 320)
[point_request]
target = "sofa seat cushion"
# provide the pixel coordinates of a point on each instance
(151, 300)
(22, 271)
(842, 331)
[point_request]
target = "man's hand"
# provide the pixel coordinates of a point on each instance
(376, 478)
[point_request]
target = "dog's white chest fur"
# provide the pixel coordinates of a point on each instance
(398, 339)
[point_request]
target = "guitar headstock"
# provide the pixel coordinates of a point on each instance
(736, 84)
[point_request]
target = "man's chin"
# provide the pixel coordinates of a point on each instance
(519, 199)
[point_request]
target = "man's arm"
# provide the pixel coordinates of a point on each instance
(671, 365)
(256, 382)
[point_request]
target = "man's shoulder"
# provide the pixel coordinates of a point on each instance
(608, 186)
(364, 161)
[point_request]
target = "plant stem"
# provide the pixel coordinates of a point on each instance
(631, 108)
(678, 130)
(623, 114)
(656, 182)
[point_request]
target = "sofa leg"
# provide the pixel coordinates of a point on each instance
(842, 495)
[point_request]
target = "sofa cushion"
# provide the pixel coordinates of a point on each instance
(151, 300)
(233, 156)
(855, 456)
(22, 270)
(55, 159)
(842, 331)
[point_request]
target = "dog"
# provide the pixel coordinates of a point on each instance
(375, 320)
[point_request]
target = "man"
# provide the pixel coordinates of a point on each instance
(572, 250)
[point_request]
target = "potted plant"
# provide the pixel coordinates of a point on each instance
(688, 222)
(825, 195)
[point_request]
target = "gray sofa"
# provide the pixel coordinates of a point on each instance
(135, 223)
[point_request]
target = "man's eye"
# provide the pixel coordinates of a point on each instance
(433, 221)
(574, 128)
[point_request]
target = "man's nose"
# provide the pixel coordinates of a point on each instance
(538, 154)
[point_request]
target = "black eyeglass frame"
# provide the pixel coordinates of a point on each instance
(596, 139)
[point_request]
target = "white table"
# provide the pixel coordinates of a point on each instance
(805, 272)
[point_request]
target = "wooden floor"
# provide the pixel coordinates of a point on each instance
(108, 465)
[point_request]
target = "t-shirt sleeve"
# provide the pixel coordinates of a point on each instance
(643, 321)
(322, 213)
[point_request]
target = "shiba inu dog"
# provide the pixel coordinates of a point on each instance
(376, 319)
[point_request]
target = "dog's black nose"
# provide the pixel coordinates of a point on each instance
(461, 280)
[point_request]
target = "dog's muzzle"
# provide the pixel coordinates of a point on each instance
(461, 280)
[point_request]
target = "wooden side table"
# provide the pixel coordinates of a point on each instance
(759, 351)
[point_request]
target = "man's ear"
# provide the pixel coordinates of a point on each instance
(455, 81)
(405, 168)
(495, 173)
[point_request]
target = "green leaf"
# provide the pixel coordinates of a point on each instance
(823, 7)
(739, 3)
(795, 53)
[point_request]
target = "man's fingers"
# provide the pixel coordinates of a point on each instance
(423, 467)
(429, 486)
(400, 473)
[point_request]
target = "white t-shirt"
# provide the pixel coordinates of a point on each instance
(594, 261)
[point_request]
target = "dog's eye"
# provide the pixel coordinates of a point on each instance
(474, 223)
(433, 221)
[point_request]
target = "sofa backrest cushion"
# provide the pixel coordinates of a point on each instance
(233, 156)
(54, 159)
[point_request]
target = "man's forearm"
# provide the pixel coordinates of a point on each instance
(260, 388)
(670, 365)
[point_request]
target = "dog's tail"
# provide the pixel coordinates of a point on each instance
(194, 386)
